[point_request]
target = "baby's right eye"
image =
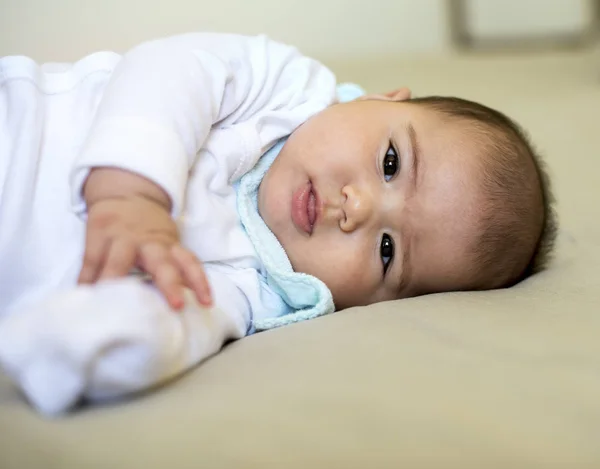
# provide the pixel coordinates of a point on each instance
(391, 163)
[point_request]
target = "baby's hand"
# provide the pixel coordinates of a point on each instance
(136, 231)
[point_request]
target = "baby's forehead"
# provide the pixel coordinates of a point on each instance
(451, 137)
(432, 116)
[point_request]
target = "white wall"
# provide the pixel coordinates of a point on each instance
(64, 30)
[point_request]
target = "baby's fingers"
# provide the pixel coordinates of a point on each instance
(156, 260)
(193, 274)
(95, 248)
(119, 260)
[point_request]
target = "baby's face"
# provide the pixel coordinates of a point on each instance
(378, 199)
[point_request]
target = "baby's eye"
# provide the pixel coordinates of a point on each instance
(386, 251)
(391, 163)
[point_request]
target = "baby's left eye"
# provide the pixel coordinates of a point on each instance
(386, 251)
(391, 163)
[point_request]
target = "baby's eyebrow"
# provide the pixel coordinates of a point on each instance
(416, 151)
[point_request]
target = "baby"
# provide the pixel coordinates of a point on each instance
(154, 206)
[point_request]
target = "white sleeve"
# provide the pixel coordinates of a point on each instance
(164, 96)
(113, 339)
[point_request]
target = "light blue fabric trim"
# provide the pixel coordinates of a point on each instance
(305, 296)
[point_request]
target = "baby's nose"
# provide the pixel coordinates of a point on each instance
(357, 207)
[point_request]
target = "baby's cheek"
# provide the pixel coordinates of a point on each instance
(346, 275)
(351, 287)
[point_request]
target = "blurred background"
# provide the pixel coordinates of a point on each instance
(380, 43)
(338, 32)
(63, 30)
(536, 60)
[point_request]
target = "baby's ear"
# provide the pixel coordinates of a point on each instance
(400, 94)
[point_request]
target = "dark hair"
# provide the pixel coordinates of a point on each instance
(518, 223)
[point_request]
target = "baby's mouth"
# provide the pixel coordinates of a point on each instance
(304, 208)
(312, 208)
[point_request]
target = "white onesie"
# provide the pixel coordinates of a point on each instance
(192, 113)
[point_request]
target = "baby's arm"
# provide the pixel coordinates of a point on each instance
(154, 116)
(164, 97)
(129, 225)
(112, 339)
